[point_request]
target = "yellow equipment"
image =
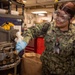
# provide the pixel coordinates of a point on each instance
(56, 0)
(7, 25)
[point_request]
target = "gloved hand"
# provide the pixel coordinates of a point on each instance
(20, 46)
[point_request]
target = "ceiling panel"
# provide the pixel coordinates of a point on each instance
(42, 1)
(30, 1)
(37, 2)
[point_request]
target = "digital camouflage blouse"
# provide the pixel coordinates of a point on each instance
(59, 55)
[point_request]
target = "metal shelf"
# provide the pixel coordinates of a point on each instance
(9, 66)
(12, 16)
(5, 67)
(8, 1)
(8, 4)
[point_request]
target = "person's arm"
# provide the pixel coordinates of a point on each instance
(31, 32)
(35, 31)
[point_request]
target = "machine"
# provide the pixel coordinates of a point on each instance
(8, 57)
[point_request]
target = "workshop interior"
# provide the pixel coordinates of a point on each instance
(17, 16)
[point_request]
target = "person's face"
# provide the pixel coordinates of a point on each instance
(61, 19)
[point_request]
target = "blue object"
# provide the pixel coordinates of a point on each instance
(20, 46)
(13, 20)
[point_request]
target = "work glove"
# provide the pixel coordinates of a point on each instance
(20, 46)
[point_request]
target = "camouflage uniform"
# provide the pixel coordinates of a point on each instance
(59, 56)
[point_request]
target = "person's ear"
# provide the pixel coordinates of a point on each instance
(72, 20)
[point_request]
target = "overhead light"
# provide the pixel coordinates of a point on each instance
(42, 14)
(39, 12)
(24, 1)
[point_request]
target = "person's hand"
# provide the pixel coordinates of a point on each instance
(20, 46)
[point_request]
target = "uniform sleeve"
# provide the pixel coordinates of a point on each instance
(73, 47)
(35, 31)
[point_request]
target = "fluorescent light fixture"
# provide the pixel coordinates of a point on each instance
(24, 1)
(39, 12)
